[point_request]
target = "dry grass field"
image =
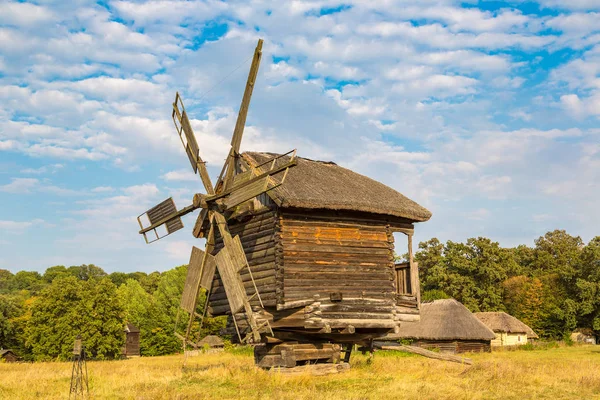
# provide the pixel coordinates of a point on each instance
(559, 373)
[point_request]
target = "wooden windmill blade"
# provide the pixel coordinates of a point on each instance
(162, 220)
(188, 139)
(238, 131)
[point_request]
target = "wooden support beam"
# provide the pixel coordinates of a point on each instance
(430, 354)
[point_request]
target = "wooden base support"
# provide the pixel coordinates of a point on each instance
(313, 369)
(292, 354)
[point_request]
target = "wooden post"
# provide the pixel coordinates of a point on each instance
(414, 273)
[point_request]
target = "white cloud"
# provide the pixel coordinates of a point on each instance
(186, 175)
(20, 185)
(18, 226)
(24, 14)
(103, 189)
(52, 168)
(572, 4)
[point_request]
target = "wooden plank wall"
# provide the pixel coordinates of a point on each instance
(257, 235)
(324, 254)
(455, 346)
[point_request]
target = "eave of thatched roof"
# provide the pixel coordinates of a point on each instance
(325, 185)
(445, 320)
(212, 341)
(503, 322)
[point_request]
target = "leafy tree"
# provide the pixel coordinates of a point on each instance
(557, 252)
(27, 280)
(429, 256)
(470, 272)
(86, 272)
(588, 285)
(524, 299)
(149, 282)
(10, 308)
(5, 280)
(54, 272)
(69, 307)
(118, 278)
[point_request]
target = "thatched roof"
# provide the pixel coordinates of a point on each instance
(212, 341)
(445, 320)
(325, 185)
(503, 322)
(5, 352)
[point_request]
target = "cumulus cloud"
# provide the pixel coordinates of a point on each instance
(451, 105)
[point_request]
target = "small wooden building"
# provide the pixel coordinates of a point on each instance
(584, 336)
(321, 252)
(132, 341)
(8, 355)
(509, 331)
(446, 325)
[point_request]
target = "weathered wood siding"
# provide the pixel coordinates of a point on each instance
(322, 256)
(454, 346)
(257, 234)
(132, 344)
(509, 339)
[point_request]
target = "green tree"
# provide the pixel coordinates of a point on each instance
(588, 285)
(5, 280)
(86, 272)
(470, 272)
(118, 278)
(149, 282)
(27, 280)
(56, 271)
(69, 307)
(10, 308)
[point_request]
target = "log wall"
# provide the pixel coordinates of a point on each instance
(257, 234)
(330, 255)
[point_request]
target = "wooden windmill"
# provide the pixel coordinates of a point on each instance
(300, 259)
(234, 187)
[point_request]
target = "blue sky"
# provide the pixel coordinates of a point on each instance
(486, 113)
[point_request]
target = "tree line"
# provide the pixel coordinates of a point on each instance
(554, 287)
(41, 314)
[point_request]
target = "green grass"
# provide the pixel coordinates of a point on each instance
(551, 373)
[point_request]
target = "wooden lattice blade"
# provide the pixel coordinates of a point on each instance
(162, 220)
(197, 277)
(188, 139)
(232, 282)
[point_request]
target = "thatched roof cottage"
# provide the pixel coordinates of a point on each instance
(509, 331)
(446, 325)
(212, 342)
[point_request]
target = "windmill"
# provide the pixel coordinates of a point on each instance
(238, 183)
(316, 240)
